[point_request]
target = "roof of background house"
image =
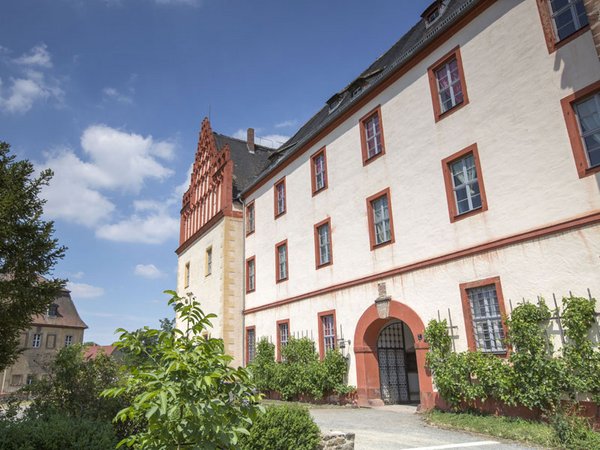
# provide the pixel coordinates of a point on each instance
(94, 350)
(246, 165)
(67, 315)
(401, 52)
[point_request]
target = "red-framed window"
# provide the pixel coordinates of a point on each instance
(280, 198)
(318, 171)
(463, 179)
(250, 218)
(251, 274)
(283, 336)
(447, 84)
(327, 332)
(485, 314)
(371, 136)
(282, 263)
(381, 222)
(562, 21)
(250, 344)
(582, 117)
(323, 244)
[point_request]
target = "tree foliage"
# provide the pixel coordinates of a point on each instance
(185, 389)
(28, 251)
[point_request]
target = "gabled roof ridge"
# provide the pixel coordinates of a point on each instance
(245, 142)
(407, 46)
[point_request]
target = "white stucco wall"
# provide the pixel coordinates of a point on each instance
(568, 262)
(208, 289)
(515, 117)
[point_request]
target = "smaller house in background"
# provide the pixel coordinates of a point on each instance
(60, 327)
(94, 350)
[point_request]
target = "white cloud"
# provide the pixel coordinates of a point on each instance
(77, 275)
(111, 93)
(272, 140)
(148, 271)
(30, 85)
(83, 290)
(286, 124)
(37, 56)
(114, 161)
(154, 228)
(126, 160)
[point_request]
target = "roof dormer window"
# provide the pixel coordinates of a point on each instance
(53, 310)
(434, 11)
(334, 102)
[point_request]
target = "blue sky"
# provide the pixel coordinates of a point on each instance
(110, 95)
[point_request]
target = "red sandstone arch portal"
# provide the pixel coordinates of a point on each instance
(365, 350)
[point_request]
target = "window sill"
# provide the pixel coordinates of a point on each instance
(277, 216)
(473, 212)
(281, 280)
(382, 244)
(589, 171)
(318, 191)
(249, 233)
(320, 266)
(451, 111)
(373, 158)
(569, 38)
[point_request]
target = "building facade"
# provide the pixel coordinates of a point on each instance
(60, 327)
(211, 241)
(457, 175)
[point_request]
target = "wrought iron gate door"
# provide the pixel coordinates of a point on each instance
(392, 366)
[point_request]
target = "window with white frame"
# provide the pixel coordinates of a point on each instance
(450, 89)
(328, 327)
(324, 243)
(251, 275)
(250, 218)
(284, 334)
(588, 117)
(186, 275)
(68, 340)
(487, 319)
(208, 261)
(37, 340)
(280, 198)
(250, 344)
(568, 16)
(282, 262)
(381, 220)
(465, 184)
(319, 170)
(372, 130)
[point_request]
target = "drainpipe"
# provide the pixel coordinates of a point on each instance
(243, 279)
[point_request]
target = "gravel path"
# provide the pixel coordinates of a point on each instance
(398, 426)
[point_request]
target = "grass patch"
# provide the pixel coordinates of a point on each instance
(502, 427)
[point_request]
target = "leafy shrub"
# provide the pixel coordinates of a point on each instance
(574, 432)
(186, 390)
(264, 367)
(56, 432)
(283, 427)
(300, 372)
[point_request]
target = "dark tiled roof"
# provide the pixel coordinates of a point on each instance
(67, 314)
(246, 165)
(401, 52)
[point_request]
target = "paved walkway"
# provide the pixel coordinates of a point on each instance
(398, 426)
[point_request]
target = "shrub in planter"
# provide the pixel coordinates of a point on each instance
(283, 427)
(56, 432)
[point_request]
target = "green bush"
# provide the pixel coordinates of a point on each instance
(300, 373)
(56, 432)
(283, 427)
(574, 432)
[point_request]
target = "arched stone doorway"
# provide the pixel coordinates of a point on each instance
(366, 338)
(396, 355)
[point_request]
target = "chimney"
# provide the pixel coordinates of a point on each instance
(250, 140)
(592, 8)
